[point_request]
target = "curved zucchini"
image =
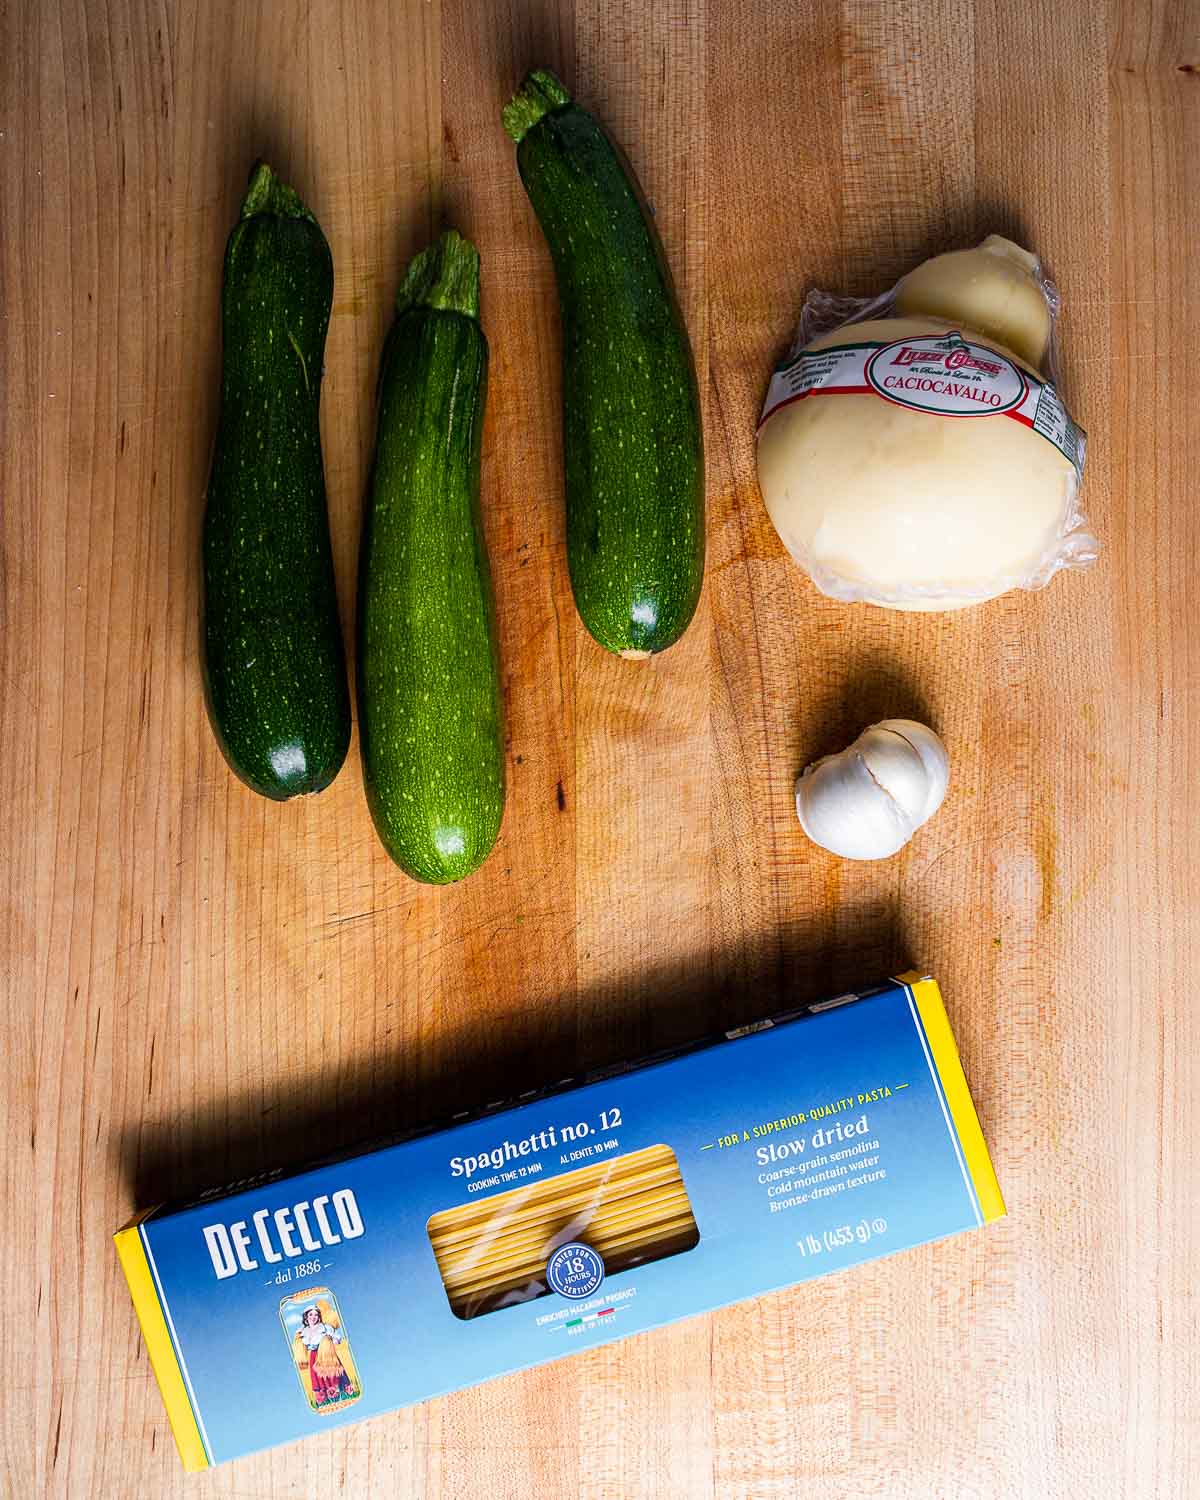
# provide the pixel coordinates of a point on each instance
(274, 662)
(632, 438)
(429, 701)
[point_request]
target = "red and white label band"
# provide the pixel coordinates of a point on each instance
(942, 374)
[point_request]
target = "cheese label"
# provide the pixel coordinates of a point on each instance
(943, 374)
(946, 375)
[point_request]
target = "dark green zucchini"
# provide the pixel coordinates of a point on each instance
(274, 662)
(632, 439)
(429, 701)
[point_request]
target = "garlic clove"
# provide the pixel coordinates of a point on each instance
(842, 807)
(867, 801)
(897, 768)
(933, 757)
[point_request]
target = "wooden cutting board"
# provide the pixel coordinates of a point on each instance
(199, 984)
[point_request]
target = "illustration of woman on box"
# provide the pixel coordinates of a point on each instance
(318, 1340)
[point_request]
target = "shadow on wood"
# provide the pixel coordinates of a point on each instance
(306, 1117)
(876, 687)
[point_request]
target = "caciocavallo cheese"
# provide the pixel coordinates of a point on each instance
(916, 456)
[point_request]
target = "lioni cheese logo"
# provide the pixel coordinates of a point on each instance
(944, 374)
(271, 1235)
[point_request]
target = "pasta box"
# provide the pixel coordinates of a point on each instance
(601, 1207)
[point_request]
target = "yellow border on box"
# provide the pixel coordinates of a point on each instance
(160, 1346)
(932, 1010)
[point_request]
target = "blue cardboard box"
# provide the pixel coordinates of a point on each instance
(596, 1209)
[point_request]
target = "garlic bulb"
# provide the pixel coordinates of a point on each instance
(869, 800)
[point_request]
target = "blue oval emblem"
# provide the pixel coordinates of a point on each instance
(575, 1271)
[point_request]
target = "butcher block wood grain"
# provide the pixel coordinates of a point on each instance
(198, 984)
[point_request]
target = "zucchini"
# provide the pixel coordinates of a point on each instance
(429, 702)
(632, 439)
(274, 662)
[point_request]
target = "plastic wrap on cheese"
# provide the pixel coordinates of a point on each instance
(913, 450)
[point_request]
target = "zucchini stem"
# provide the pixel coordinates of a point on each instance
(446, 275)
(539, 93)
(266, 194)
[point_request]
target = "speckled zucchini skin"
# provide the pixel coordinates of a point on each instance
(429, 700)
(274, 662)
(632, 437)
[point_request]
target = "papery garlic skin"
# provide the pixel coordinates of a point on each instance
(867, 801)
